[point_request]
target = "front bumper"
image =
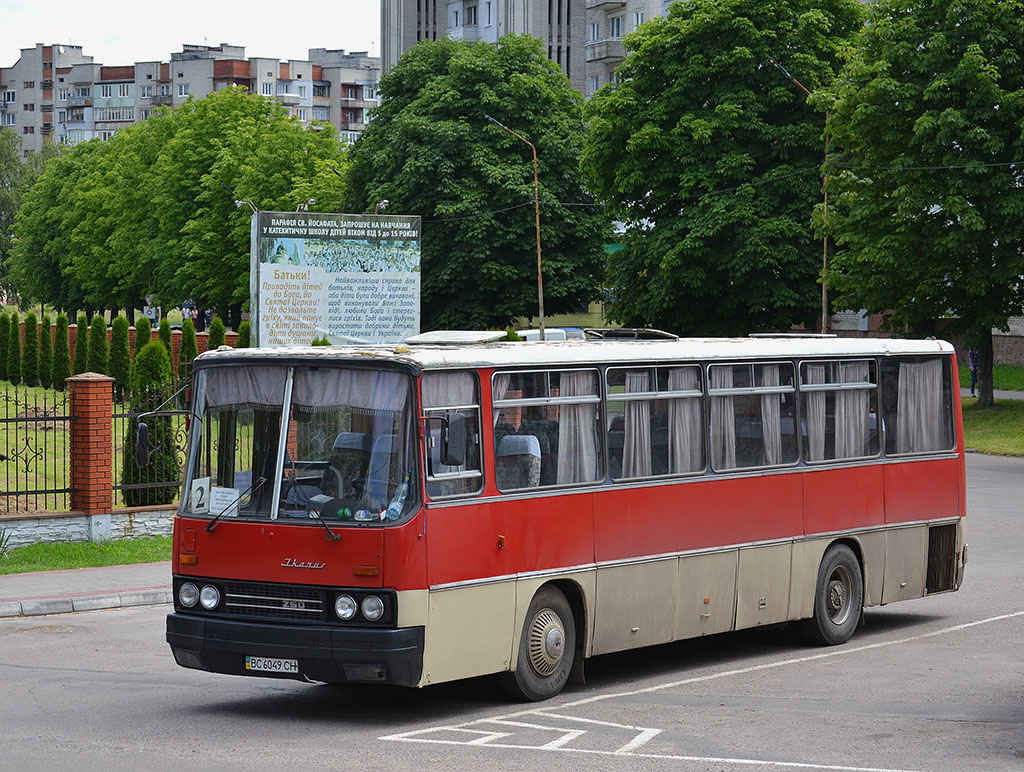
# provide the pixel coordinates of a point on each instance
(330, 654)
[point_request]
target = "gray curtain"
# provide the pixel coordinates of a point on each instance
(920, 420)
(636, 446)
(771, 416)
(245, 386)
(853, 411)
(814, 409)
(685, 424)
(499, 388)
(723, 421)
(577, 438)
(448, 389)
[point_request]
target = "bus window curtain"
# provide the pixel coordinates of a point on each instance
(814, 407)
(636, 446)
(577, 439)
(771, 416)
(686, 435)
(499, 388)
(723, 421)
(444, 389)
(852, 412)
(920, 424)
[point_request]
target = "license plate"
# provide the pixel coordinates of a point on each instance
(272, 665)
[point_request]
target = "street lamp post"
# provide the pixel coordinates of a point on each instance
(824, 240)
(536, 205)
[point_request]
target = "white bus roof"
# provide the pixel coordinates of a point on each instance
(579, 352)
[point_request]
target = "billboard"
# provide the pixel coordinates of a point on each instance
(350, 277)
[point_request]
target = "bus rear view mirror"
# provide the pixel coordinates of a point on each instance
(453, 439)
(142, 445)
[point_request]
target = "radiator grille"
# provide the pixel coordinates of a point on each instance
(304, 604)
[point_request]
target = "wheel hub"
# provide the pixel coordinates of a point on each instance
(546, 642)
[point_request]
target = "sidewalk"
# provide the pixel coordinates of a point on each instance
(85, 589)
(996, 394)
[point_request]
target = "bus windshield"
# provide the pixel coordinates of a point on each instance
(347, 454)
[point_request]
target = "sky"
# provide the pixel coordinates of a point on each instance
(118, 32)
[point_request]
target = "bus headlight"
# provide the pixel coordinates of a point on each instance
(188, 595)
(209, 597)
(372, 608)
(345, 607)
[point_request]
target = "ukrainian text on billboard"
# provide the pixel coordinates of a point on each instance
(350, 278)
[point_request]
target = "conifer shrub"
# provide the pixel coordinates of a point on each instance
(187, 351)
(244, 335)
(99, 352)
(45, 369)
(164, 336)
(61, 369)
(150, 386)
(5, 333)
(30, 351)
(217, 335)
(119, 366)
(143, 334)
(14, 350)
(81, 363)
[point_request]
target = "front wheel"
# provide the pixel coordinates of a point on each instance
(838, 598)
(546, 647)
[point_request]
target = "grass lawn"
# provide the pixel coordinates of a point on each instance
(1004, 377)
(53, 557)
(998, 430)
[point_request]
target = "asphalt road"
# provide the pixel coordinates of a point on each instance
(934, 684)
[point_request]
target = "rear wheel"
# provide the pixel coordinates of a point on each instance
(546, 647)
(838, 598)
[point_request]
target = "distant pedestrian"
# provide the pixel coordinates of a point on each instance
(972, 358)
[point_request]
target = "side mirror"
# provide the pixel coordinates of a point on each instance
(142, 445)
(453, 439)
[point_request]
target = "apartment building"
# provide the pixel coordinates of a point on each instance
(56, 92)
(584, 37)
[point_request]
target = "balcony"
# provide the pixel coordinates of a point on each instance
(289, 99)
(158, 99)
(47, 129)
(80, 102)
(605, 5)
(610, 50)
(467, 32)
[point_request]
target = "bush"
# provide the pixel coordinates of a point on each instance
(150, 384)
(14, 350)
(216, 334)
(164, 336)
(30, 352)
(81, 345)
(98, 351)
(120, 365)
(244, 335)
(5, 333)
(187, 351)
(45, 352)
(61, 369)
(143, 334)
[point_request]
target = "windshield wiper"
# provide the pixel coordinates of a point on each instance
(251, 489)
(332, 536)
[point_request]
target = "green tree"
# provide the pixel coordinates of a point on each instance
(81, 345)
(61, 356)
(217, 336)
(163, 335)
(11, 172)
(244, 332)
(151, 377)
(143, 333)
(14, 350)
(30, 351)
(431, 150)
(926, 126)
(120, 365)
(187, 351)
(45, 352)
(5, 334)
(709, 155)
(98, 346)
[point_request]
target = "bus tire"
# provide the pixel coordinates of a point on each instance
(838, 598)
(546, 647)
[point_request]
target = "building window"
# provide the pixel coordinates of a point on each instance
(322, 90)
(183, 89)
(144, 114)
(595, 32)
(122, 90)
(62, 116)
(105, 91)
(455, 18)
(595, 84)
(302, 91)
(487, 12)
(471, 16)
(300, 113)
(165, 91)
(268, 89)
(369, 92)
(28, 130)
(321, 113)
(350, 92)
(83, 92)
(10, 96)
(638, 19)
(145, 91)
(29, 108)
(63, 94)
(29, 84)
(615, 27)
(7, 119)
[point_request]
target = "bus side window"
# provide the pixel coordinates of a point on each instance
(917, 404)
(446, 393)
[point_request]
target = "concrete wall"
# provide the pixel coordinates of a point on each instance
(38, 528)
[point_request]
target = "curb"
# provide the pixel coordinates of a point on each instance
(44, 606)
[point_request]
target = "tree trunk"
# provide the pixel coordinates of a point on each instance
(235, 315)
(984, 386)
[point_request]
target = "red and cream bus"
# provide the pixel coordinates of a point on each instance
(420, 513)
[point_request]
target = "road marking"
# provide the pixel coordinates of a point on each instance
(644, 735)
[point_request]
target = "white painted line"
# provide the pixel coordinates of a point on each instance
(638, 741)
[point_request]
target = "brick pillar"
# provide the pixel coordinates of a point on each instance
(91, 406)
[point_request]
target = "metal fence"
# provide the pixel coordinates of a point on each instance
(35, 452)
(158, 480)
